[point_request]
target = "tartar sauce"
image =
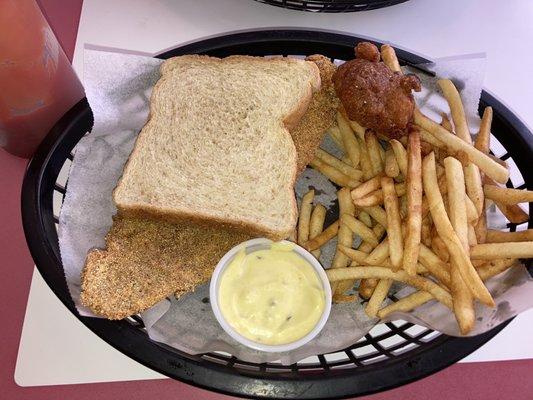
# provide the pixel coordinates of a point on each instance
(271, 296)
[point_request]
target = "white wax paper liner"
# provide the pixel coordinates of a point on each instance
(118, 88)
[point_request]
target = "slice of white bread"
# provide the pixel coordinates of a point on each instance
(216, 148)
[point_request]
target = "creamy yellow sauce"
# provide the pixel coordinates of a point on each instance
(271, 296)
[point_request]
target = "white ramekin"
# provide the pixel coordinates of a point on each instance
(254, 245)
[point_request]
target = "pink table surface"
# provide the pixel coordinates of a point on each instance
(489, 380)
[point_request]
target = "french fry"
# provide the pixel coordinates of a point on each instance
(385, 264)
(346, 169)
(456, 196)
(351, 145)
(495, 267)
(373, 146)
(305, 216)
(425, 148)
(345, 238)
(316, 225)
(366, 165)
(482, 142)
(474, 186)
(359, 229)
(403, 206)
(471, 171)
(388, 55)
(355, 255)
(416, 281)
(403, 211)
(456, 108)
(366, 247)
(432, 140)
(492, 251)
(366, 287)
(376, 197)
(357, 128)
(425, 231)
(367, 187)
(421, 270)
(391, 165)
(481, 228)
(502, 237)
(379, 230)
(364, 217)
(440, 249)
(395, 240)
(406, 303)
(472, 238)
(463, 302)
(320, 240)
(401, 155)
(378, 296)
(419, 298)
(507, 196)
(438, 268)
(446, 232)
(344, 298)
(513, 212)
(335, 134)
(394, 230)
(346, 160)
(471, 212)
(441, 175)
(440, 155)
(454, 143)
(378, 213)
(379, 254)
(373, 199)
(402, 200)
(445, 122)
(334, 174)
(414, 204)
(503, 163)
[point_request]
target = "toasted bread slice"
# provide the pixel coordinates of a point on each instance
(147, 260)
(309, 132)
(216, 149)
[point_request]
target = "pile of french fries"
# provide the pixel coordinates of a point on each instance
(419, 207)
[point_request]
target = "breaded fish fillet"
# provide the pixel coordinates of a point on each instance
(146, 261)
(320, 115)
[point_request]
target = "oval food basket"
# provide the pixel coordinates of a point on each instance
(390, 355)
(332, 6)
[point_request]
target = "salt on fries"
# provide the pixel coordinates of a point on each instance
(414, 204)
(419, 206)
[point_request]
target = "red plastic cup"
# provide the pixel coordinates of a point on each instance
(37, 82)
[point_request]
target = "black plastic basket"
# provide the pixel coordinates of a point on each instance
(390, 355)
(332, 6)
